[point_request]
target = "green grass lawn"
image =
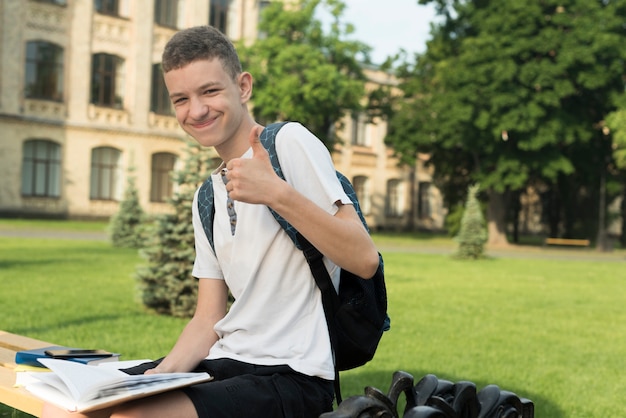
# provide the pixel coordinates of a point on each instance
(53, 225)
(549, 329)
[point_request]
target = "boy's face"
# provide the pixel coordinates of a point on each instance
(209, 104)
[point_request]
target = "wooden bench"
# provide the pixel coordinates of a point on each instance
(567, 241)
(18, 398)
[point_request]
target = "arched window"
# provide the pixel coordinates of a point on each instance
(107, 7)
(166, 13)
(105, 179)
(160, 102)
(395, 198)
(218, 14)
(41, 168)
(423, 200)
(107, 80)
(161, 185)
(359, 132)
(361, 187)
(44, 71)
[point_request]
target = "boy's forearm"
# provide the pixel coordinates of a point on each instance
(191, 347)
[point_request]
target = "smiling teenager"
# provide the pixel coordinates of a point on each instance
(270, 353)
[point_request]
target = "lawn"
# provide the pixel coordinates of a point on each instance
(544, 324)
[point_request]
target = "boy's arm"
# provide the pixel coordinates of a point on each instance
(198, 336)
(341, 237)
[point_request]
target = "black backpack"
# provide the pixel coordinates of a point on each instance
(357, 314)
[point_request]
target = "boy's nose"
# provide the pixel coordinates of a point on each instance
(197, 108)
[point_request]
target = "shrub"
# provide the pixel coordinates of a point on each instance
(472, 234)
(125, 227)
(165, 281)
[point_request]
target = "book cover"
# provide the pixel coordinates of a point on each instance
(79, 387)
(31, 357)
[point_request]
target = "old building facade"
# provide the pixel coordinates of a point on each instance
(82, 102)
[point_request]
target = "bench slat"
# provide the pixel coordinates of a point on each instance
(18, 398)
(568, 241)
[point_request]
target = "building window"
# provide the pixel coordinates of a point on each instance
(218, 14)
(107, 7)
(358, 134)
(162, 186)
(166, 13)
(105, 176)
(159, 99)
(107, 77)
(263, 4)
(423, 200)
(57, 2)
(41, 168)
(44, 71)
(395, 198)
(361, 187)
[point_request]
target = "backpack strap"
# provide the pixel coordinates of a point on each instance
(268, 139)
(206, 209)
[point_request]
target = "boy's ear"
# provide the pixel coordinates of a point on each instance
(245, 86)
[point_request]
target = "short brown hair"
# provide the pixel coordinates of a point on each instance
(200, 42)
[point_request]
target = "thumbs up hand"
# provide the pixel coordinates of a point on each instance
(252, 180)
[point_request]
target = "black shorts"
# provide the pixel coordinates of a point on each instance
(246, 390)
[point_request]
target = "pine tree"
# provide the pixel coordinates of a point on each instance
(165, 281)
(125, 227)
(473, 234)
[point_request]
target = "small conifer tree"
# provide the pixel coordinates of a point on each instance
(165, 281)
(125, 227)
(472, 234)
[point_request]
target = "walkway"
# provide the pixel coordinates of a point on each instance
(524, 252)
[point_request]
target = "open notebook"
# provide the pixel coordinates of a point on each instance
(80, 387)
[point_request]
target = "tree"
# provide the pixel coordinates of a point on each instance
(302, 73)
(165, 281)
(472, 234)
(125, 227)
(510, 94)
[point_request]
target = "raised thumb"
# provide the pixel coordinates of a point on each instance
(254, 138)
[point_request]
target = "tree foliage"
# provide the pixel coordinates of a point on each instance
(125, 227)
(165, 281)
(303, 73)
(512, 94)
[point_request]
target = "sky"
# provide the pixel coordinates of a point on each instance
(390, 25)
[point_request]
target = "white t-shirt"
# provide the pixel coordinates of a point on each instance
(277, 316)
